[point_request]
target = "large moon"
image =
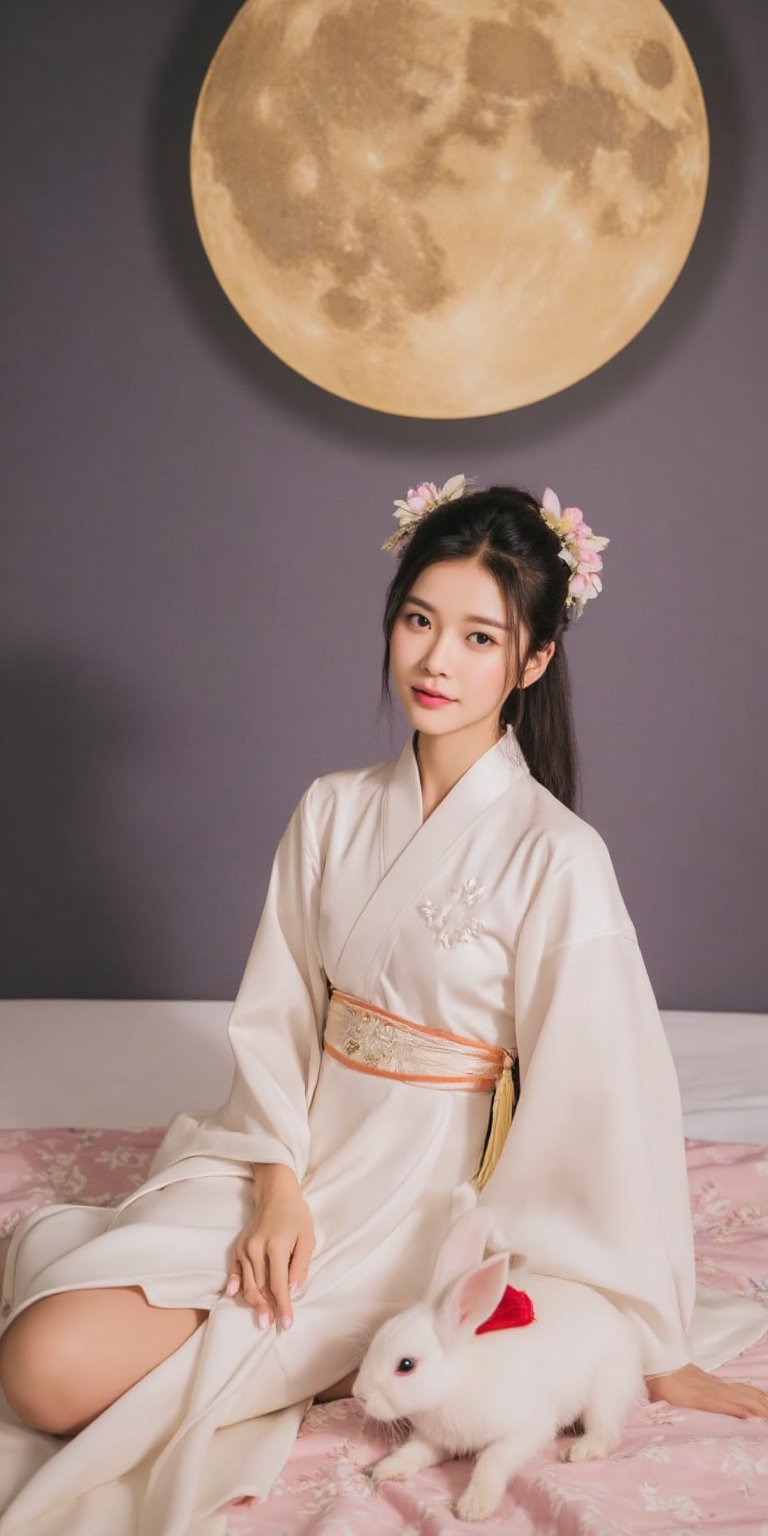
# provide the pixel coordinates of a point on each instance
(453, 209)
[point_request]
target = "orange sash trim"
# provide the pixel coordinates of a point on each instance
(474, 1084)
(493, 1052)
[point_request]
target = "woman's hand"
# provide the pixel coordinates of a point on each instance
(690, 1387)
(272, 1253)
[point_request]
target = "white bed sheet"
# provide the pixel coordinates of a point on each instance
(134, 1064)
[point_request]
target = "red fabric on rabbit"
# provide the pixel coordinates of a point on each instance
(514, 1310)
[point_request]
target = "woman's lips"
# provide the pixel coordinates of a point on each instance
(431, 700)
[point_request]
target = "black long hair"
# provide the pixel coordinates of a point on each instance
(503, 530)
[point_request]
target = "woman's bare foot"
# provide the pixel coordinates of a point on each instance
(691, 1387)
(341, 1388)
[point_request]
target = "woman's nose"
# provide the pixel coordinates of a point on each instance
(439, 652)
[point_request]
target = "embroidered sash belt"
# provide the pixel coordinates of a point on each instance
(370, 1039)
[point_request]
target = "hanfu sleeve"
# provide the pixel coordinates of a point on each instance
(275, 1027)
(592, 1181)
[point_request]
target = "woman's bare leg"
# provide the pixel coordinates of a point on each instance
(68, 1356)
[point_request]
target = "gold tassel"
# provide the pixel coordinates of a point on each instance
(502, 1110)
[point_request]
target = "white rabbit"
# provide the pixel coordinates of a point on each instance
(504, 1393)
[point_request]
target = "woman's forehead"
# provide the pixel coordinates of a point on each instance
(463, 591)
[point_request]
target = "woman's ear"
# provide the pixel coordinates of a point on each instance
(538, 663)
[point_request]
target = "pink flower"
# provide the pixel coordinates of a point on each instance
(589, 560)
(422, 496)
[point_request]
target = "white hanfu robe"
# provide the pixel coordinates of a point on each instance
(499, 918)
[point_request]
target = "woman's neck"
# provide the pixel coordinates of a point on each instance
(443, 760)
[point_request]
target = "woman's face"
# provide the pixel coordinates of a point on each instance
(451, 637)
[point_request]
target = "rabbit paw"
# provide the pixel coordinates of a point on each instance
(394, 1468)
(478, 1501)
(409, 1459)
(588, 1448)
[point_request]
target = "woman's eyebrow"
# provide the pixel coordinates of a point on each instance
(476, 618)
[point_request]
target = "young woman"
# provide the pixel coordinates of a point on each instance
(445, 989)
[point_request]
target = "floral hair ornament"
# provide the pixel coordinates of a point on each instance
(579, 549)
(419, 502)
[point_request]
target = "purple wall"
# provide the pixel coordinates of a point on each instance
(191, 622)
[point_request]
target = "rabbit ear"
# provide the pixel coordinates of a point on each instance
(470, 1299)
(462, 1246)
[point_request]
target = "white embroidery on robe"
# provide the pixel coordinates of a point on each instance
(450, 922)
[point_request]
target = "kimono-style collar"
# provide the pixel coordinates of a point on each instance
(487, 778)
(411, 850)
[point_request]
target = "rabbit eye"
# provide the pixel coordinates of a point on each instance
(405, 1365)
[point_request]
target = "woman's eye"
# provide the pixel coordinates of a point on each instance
(479, 632)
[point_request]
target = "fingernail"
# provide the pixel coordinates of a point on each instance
(233, 1284)
(293, 1288)
(286, 1321)
(263, 1320)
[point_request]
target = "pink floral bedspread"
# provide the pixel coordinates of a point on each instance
(677, 1471)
